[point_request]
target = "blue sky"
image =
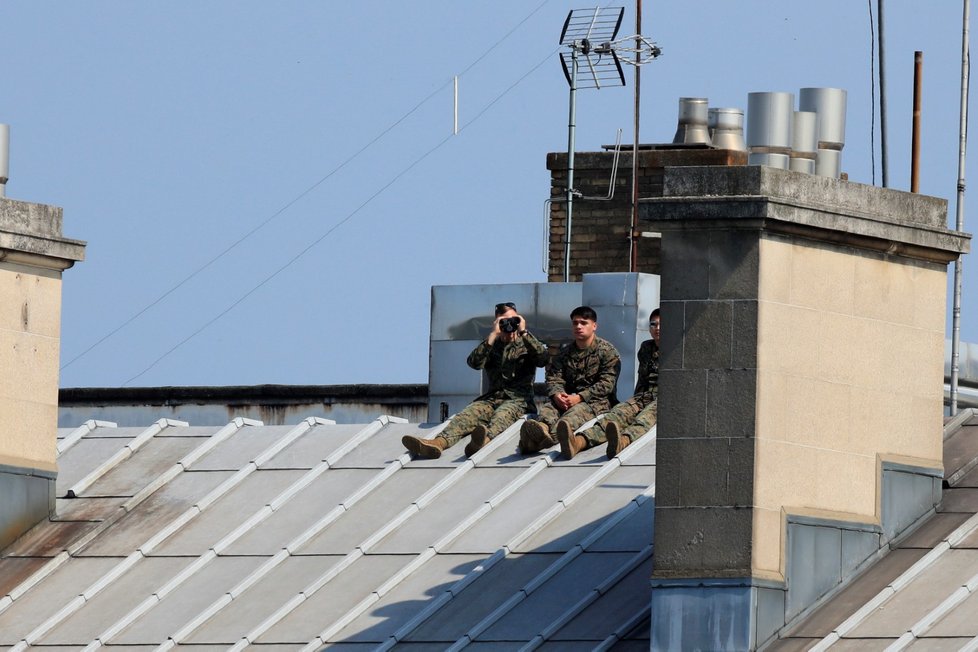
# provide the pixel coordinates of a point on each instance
(311, 141)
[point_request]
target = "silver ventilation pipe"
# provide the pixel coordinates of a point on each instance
(4, 158)
(693, 116)
(727, 128)
(830, 105)
(769, 118)
(804, 142)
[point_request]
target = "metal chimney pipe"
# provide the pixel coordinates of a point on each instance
(804, 142)
(918, 71)
(693, 116)
(769, 117)
(727, 128)
(830, 105)
(4, 158)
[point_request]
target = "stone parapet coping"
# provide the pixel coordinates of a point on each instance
(791, 203)
(31, 234)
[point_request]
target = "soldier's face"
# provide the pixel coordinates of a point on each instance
(655, 327)
(583, 330)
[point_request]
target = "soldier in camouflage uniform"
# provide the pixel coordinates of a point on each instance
(581, 382)
(628, 421)
(510, 356)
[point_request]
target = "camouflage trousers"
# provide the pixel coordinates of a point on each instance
(632, 419)
(495, 414)
(575, 416)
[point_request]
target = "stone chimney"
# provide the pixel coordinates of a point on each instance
(801, 391)
(33, 254)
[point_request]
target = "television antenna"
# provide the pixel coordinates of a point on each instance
(590, 35)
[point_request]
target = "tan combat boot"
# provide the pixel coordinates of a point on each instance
(478, 438)
(427, 448)
(616, 441)
(570, 443)
(534, 437)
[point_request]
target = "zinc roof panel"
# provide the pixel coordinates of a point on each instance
(612, 610)
(450, 508)
(114, 601)
(205, 586)
(301, 512)
(147, 463)
(153, 514)
(84, 457)
(385, 446)
(313, 447)
(333, 600)
(478, 599)
(374, 511)
(510, 517)
(553, 597)
(240, 448)
(227, 513)
(960, 621)
(404, 601)
(87, 509)
(48, 538)
(614, 493)
(262, 599)
(919, 597)
(46, 598)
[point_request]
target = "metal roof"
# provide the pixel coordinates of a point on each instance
(293, 537)
(921, 594)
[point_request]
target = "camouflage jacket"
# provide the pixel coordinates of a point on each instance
(647, 385)
(592, 373)
(511, 367)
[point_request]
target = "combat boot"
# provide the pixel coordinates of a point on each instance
(570, 443)
(534, 437)
(616, 440)
(478, 438)
(427, 448)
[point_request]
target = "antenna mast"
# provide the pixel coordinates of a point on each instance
(590, 34)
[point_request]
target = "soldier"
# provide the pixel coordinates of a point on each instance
(581, 383)
(510, 356)
(628, 421)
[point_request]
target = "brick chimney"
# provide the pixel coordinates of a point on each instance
(801, 391)
(33, 254)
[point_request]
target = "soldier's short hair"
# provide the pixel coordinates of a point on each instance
(584, 312)
(501, 308)
(655, 313)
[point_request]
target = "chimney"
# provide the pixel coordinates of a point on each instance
(801, 391)
(33, 254)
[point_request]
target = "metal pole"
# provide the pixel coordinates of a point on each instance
(918, 81)
(959, 212)
(634, 234)
(884, 161)
(570, 162)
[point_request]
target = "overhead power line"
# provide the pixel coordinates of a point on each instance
(179, 284)
(346, 219)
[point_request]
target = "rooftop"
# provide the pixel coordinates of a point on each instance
(289, 537)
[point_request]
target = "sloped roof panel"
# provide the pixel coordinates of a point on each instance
(289, 537)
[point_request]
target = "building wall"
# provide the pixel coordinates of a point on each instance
(837, 333)
(30, 321)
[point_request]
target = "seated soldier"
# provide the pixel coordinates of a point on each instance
(631, 419)
(510, 356)
(581, 383)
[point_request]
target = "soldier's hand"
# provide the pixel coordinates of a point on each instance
(522, 328)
